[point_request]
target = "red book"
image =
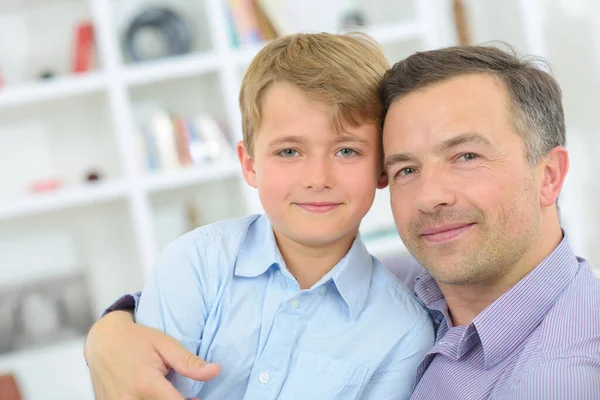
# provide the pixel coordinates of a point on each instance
(84, 47)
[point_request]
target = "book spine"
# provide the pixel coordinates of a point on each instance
(84, 48)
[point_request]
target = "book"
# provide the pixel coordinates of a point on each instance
(83, 57)
(164, 137)
(245, 21)
(267, 30)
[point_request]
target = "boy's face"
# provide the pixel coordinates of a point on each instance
(315, 185)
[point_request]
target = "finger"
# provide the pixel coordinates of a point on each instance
(185, 363)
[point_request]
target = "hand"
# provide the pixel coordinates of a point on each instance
(129, 361)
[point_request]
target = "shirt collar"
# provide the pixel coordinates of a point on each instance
(351, 275)
(505, 323)
(258, 251)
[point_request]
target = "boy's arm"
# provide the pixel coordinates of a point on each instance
(396, 376)
(128, 360)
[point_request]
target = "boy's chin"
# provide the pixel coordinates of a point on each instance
(321, 236)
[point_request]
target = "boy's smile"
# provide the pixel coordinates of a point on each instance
(318, 206)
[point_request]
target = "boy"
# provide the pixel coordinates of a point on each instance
(290, 304)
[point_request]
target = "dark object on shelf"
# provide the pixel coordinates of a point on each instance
(9, 389)
(47, 74)
(168, 28)
(93, 176)
(354, 19)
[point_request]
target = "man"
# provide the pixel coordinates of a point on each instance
(474, 150)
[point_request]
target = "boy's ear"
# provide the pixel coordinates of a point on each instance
(382, 182)
(247, 164)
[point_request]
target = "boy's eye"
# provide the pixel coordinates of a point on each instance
(345, 152)
(288, 153)
(467, 157)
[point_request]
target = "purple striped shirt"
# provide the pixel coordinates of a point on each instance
(540, 340)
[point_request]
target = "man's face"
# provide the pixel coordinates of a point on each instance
(465, 200)
(315, 185)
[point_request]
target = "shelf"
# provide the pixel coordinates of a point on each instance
(170, 68)
(185, 177)
(243, 56)
(52, 89)
(382, 33)
(62, 199)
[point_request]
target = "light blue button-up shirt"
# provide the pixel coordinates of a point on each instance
(224, 292)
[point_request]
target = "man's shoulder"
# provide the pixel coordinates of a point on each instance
(572, 326)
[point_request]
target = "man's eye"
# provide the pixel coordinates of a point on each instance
(288, 153)
(345, 152)
(467, 157)
(406, 171)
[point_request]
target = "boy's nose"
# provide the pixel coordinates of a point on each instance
(318, 175)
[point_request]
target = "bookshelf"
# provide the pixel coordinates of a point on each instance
(70, 125)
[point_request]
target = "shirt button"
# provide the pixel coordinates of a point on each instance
(294, 303)
(264, 377)
(322, 290)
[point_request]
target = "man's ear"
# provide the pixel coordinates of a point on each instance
(554, 170)
(382, 182)
(247, 163)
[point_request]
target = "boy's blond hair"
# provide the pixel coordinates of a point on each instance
(343, 71)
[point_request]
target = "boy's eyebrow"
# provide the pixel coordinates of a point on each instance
(347, 137)
(464, 138)
(286, 139)
(342, 138)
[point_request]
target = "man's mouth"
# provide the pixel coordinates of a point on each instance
(446, 232)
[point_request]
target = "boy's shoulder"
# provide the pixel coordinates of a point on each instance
(233, 227)
(387, 288)
(222, 232)
(211, 246)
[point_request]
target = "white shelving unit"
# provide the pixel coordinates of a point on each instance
(70, 125)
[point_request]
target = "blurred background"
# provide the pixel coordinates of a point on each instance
(117, 125)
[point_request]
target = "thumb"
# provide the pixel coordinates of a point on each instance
(185, 363)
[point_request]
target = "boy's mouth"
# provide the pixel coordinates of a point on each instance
(318, 207)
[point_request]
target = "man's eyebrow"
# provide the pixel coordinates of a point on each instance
(286, 139)
(398, 158)
(464, 138)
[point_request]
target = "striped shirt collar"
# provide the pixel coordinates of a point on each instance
(509, 320)
(351, 276)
